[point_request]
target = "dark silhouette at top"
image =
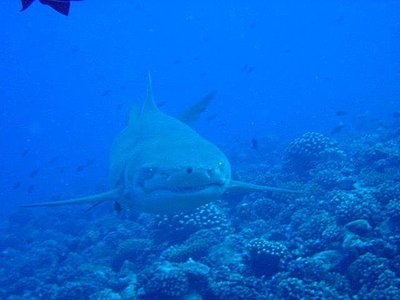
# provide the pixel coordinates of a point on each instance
(62, 6)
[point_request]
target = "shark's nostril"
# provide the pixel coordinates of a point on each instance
(210, 172)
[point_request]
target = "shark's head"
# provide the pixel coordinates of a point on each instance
(180, 176)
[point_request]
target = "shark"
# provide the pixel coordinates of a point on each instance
(160, 165)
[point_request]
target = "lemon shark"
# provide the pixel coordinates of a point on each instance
(160, 165)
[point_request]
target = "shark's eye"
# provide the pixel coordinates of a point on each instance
(189, 170)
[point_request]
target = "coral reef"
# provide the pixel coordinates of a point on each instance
(310, 150)
(266, 257)
(338, 239)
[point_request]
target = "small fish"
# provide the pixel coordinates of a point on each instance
(248, 69)
(34, 172)
(30, 189)
(341, 113)
(82, 167)
(25, 152)
(339, 19)
(106, 93)
(75, 50)
(337, 129)
(253, 24)
(254, 144)
(117, 207)
(120, 106)
(61, 6)
(53, 160)
(16, 185)
(89, 162)
(79, 168)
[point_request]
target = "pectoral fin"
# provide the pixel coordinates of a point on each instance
(239, 186)
(107, 196)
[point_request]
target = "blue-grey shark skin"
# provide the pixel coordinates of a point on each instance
(164, 166)
(159, 164)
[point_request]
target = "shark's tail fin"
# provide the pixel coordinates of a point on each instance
(110, 195)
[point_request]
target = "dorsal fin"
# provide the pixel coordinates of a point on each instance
(149, 104)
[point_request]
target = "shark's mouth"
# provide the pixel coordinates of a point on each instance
(187, 182)
(184, 189)
(181, 190)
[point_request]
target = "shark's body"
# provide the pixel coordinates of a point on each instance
(159, 164)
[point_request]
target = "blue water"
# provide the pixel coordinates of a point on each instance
(280, 69)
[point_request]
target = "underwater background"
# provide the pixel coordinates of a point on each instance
(306, 96)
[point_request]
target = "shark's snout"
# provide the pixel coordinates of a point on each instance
(195, 176)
